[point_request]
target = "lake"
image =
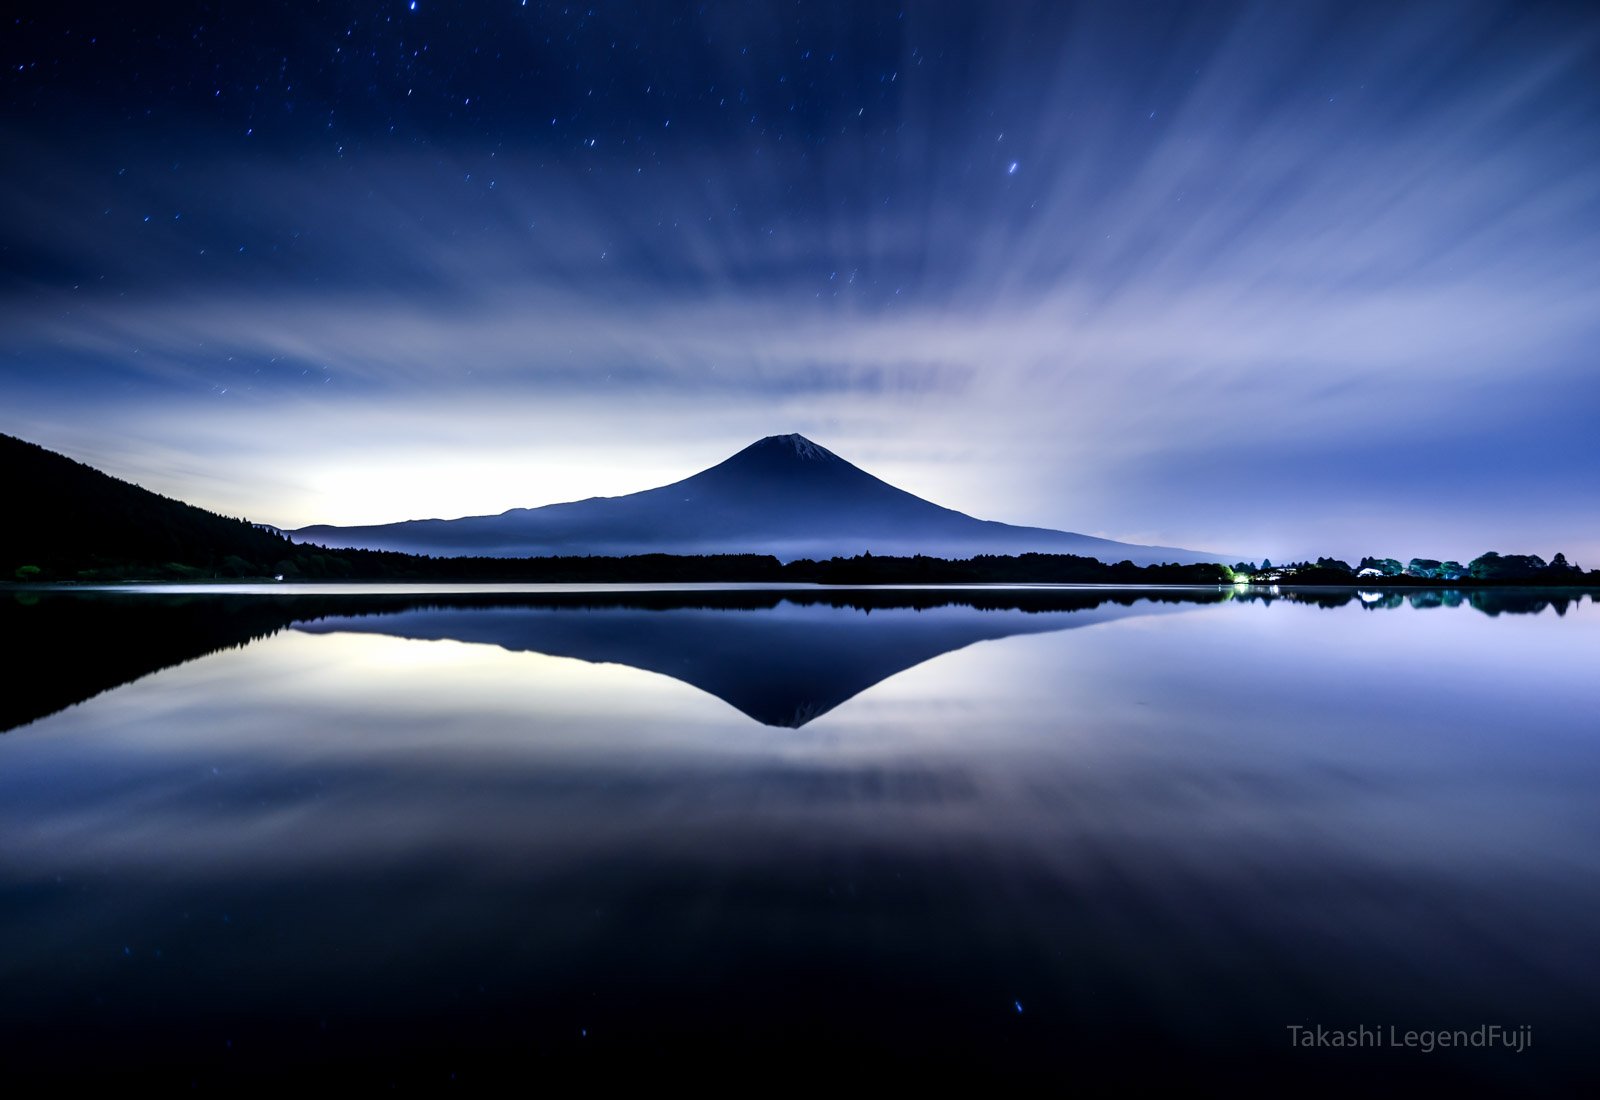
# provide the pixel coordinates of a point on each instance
(421, 837)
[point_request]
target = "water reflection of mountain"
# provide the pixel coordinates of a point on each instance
(781, 657)
(782, 665)
(70, 646)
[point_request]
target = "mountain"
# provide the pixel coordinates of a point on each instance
(63, 516)
(783, 495)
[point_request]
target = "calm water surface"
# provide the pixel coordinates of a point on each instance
(1057, 834)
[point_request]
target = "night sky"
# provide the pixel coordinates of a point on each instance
(1285, 279)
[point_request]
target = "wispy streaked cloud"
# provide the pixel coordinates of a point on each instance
(1279, 279)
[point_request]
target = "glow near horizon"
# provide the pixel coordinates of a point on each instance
(1252, 317)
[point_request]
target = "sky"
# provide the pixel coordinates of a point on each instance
(1273, 280)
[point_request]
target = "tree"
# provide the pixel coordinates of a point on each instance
(1495, 566)
(1423, 567)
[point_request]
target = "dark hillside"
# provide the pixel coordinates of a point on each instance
(62, 517)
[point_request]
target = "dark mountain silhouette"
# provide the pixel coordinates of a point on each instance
(61, 515)
(64, 520)
(783, 495)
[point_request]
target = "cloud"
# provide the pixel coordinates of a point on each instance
(1278, 240)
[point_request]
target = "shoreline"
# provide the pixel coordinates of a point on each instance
(269, 586)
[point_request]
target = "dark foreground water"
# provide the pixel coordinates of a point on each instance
(747, 838)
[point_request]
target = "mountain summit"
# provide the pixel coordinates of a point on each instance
(799, 444)
(783, 495)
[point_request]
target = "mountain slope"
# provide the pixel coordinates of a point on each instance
(783, 495)
(62, 516)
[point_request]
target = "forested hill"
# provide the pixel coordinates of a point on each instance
(62, 517)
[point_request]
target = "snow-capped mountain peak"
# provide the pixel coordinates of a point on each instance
(801, 446)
